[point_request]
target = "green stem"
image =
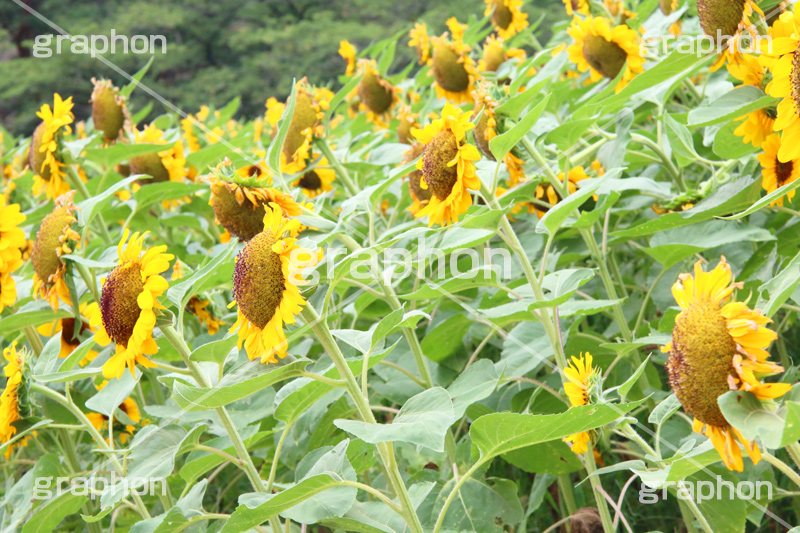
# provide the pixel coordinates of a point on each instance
(597, 489)
(340, 170)
(71, 456)
(89, 280)
(783, 467)
(565, 487)
(34, 340)
(273, 469)
(690, 503)
(241, 450)
(81, 187)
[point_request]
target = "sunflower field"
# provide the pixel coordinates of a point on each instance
(516, 285)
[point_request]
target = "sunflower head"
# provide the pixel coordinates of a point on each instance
(316, 180)
(36, 157)
(13, 402)
(56, 237)
(718, 345)
(306, 115)
(375, 92)
(421, 42)
(721, 18)
(407, 122)
(451, 69)
(486, 124)
(44, 156)
(507, 16)
(776, 173)
(108, 109)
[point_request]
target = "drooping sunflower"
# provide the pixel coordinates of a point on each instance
(72, 332)
(348, 53)
(131, 410)
(199, 308)
(309, 109)
(774, 173)
(109, 109)
(485, 131)
(546, 193)
(126, 314)
(265, 286)
(166, 165)
(421, 42)
(507, 17)
(407, 122)
(419, 196)
(10, 399)
(44, 157)
(316, 180)
(453, 69)
(377, 94)
(724, 21)
(495, 54)
(718, 345)
(605, 51)
(239, 204)
(580, 376)
(56, 237)
(447, 165)
(782, 60)
(580, 7)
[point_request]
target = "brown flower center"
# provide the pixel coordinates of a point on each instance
(310, 181)
(700, 361)
(448, 71)
(118, 302)
(605, 57)
(69, 334)
(375, 93)
(149, 165)
(304, 117)
(35, 157)
(44, 255)
(107, 114)
(502, 16)
(439, 177)
(795, 78)
(783, 171)
(245, 221)
(720, 19)
(258, 281)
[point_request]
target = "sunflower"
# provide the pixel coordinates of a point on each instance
(131, 410)
(580, 378)
(126, 314)
(187, 126)
(377, 94)
(56, 237)
(447, 165)
(419, 196)
(718, 345)
(71, 332)
(45, 143)
(8, 290)
(546, 193)
(728, 20)
(407, 122)
(782, 60)
(749, 71)
(495, 54)
(605, 51)
(109, 109)
(756, 126)
(580, 7)
(316, 180)
(10, 400)
(775, 173)
(453, 69)
(239, 207)
(166, 165)
(348, 53)
(309, 109)
(421, 42)
(485, 131)
(507, 17)
(12, 238)
(265, 281)
(198, 307)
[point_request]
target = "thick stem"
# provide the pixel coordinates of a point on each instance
(599, 493)
(340, 170)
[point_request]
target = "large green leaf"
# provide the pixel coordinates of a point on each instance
(503, 143)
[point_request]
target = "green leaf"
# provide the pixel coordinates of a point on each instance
(681, 142)
(552, 457)
(664, 410)
(153, 193)
(136, 78)
(117, 153)
(180, 293)
(566, 135)
(482, 506)
(423, 420)
(737, 103)
(626, 387)
(251, 377)
(276, 147)
(561, 285)
(484, 276)
(445, 338)
(23, 319)
(474, 384)
(215, 351)
(727, 145)
(498, 433)
(556, 216)
(112, 395)
(776, 291)
(766, 200)
(755, 419)
(49, 514)
(89, 208)
(503, 143)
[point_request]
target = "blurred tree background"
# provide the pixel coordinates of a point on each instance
(216, 49)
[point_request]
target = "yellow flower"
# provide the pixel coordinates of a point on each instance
(495, 54)
(421, 42)
(780, 59)
(47, 168)
(273, 113)
(728, 19)
(71, 333)
(8, 290)
(580, 7)
(579, 375)
(453, 69)
(166, 165)
(265, 286)
(187, 125)
(774, 173)
(605, 51)
(9, 401)
(749, 71)
(507, 17)
(131, 410)
(485, 131)
(546, 193)
(198, 308)
(109, 109)
(56, 237)
(757, 126)
(317, 180)
(456, 29)
(718, 345)
(448, 166)
(309, 109)
(12, 238)
(130, 295)
(348, 53)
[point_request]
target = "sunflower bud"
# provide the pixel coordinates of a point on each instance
(375, 92)
(35, 156)
(149, 165)
(258, 280)
(448, 69)
(700, 361)
(107, 109)
(720, 17)
(604, 56)
(439, 177)
(480, 134)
